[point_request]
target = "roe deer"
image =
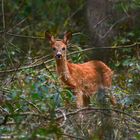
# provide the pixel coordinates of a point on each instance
(84, 79)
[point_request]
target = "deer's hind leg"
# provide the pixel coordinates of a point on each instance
(107, 82)
(107, 79)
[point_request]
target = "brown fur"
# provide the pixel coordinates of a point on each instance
(85, 79)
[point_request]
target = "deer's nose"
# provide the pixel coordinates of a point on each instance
(59, 55)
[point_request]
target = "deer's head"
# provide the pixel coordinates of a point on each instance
(58, 46)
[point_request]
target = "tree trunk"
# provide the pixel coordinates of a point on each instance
(103, 19)
(99, 15)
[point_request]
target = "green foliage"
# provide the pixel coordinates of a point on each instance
(126, 84)
(129, 29)
(33, 101)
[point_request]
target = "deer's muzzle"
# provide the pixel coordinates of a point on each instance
(59, 55)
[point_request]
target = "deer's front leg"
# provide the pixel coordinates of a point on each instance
(82, 100)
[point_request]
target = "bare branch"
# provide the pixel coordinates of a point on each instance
(109, 30)
(6, 116)
(19, 23)
(32, 104)
(3, 15)
(98, 109)
(71, 136)
(64, 115)
(136, 44)
(21, 68)
(98, 23)
(109, 47)
(74, 13)
(24, 36)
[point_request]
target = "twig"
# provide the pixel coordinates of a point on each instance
(23, 114)
(4, 110)
(2, 137)
(17, 24)
(3, 15)
(21, 68)
(71, 136)
(112, 47)
(3, 21)
(64, 116)
(1, 32)
(98, 109)
(39, 59)
(45, 116)
(4, 29)
(136, 44)
(103, 19)
(75, 12)
(24, 36)
(109, 30)
(32, 104)
(124, 9)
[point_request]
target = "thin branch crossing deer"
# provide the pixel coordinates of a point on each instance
(84, 79)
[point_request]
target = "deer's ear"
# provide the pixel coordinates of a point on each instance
(49, 37)
(67, 37)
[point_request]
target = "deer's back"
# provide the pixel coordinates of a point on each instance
(89, 76)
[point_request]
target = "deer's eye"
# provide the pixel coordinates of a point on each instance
(54, 49)
(63, 49)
